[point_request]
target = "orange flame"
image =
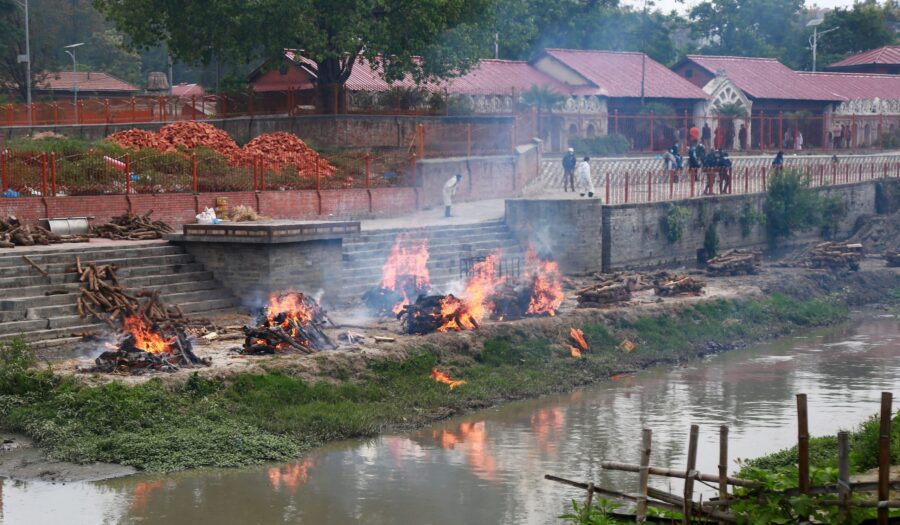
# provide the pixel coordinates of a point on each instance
(578, 336)
(442, 377)
(144, 338)
(289, 311)
(547, 294)
(576, 353)
(408, 260)
(467, 313)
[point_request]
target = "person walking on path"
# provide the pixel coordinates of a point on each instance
(583, 176)
(569, 161)
(449, 191)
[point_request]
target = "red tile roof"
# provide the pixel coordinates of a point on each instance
(618, 74)
(87, 81)
(764, 78)
(882, 55)
(857, 85)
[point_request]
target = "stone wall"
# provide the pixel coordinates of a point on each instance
(570, 230)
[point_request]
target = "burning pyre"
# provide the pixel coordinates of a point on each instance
(489, 294)
(145, 346)
(291, 321)
(405, 277)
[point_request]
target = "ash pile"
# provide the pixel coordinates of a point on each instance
(291, 322)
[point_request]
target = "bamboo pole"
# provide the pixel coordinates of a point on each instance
(689, 473)
(803, 448)
(589, 500)
(672, 473)
(723, 463)
(884, 457)
(647, 437)
(844, 475)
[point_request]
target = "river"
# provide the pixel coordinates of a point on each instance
(488, 467)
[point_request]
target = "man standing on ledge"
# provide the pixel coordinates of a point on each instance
(585, 184)
(449, 191)
(568, 163)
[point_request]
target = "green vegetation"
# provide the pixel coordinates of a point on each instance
(792, 206)
(602, 146)
(750, 218)
(676, 218)
(252, 418)
(711, 241)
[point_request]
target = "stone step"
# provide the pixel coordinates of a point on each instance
(88, 255)
(153, 281)
(26, 270)
(22, 303)
(50, 334)
(24, 326)
(123, 273)
(45, 312)
(200, 307)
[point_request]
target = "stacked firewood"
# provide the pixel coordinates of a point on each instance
(129, 226)
(426, 315)
(283, 331)
(614, 288)
(128, 358)
(13, 233)
(893, 259)
(675, 285)
(836, 255)
(103, 296)
(734, 262)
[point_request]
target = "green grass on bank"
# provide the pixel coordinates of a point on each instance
(262, 417)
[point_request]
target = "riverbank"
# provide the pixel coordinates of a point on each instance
(277, 410)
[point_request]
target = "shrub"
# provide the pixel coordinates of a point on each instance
(604, 145)
(791, 206)
(674, 222)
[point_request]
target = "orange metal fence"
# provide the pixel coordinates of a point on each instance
(48, 174)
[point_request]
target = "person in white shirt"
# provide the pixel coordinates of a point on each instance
(798, 142)
(583, 178)
(449, 191)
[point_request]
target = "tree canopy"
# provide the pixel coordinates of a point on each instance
(860, 28)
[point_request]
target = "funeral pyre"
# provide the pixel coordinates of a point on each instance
(836, 255)
(405, 277)
(488, 294)
(291, 322)
(149, 336)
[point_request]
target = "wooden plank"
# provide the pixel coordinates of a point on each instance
(884, 457)
(802, 448)
(689, 473)
(723, 464)
(641, 511)
(844, 475)
(672, 473)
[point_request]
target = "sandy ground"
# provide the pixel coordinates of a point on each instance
(20, 460)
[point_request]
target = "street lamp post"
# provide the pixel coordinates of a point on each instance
(27, 59)
(70, 50)
(814, 39)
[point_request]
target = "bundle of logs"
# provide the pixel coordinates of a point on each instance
(297, 329)
(836, 255)
(129, 226)
(893, 259)
(734, 262)
(615, 288)
(511, 300)
(132, 356)
(675, 285)
(427, 314)
(13, 233)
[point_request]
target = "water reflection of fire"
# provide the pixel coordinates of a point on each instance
(470, 439)
(547, 424)
(291, 477)
(142, 492)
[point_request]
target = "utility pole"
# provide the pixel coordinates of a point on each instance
(814, 39)
(497, 45)
(70, 50)
(27, 59)
(644, 53)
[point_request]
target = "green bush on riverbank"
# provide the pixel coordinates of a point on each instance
(263, 417)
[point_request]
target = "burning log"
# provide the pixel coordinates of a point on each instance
(149, 347)
(836, 255)
(734, 262)
(436, 313)
(679, 285)
(893, 259)
(129, 226)
(405, 277)
(291, 321)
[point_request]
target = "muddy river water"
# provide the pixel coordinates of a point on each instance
(488, 467)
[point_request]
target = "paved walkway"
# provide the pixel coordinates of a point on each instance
(463, 213)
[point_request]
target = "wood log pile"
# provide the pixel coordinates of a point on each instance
(276, 150)
(893, 259)
(129, 226)
(836, 255)
(129, 358)
(13, 233)
(615, 288)
(427, 315)
(735, 262)
(678, 285)
(297, 330)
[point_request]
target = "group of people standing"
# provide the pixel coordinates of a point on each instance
(577, 172)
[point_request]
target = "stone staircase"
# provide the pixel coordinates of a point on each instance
(48, 320)
(364, 255)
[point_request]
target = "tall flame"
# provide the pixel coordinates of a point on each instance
(407, 261)
(145, 338)
(547, 294)
(290, 312)
(466, 313)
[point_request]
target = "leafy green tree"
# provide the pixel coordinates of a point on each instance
(446, 34)
(860, 28)
(746, 27)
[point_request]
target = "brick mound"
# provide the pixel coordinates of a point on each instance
(277, 150)
(190, 135)
(137, 139)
